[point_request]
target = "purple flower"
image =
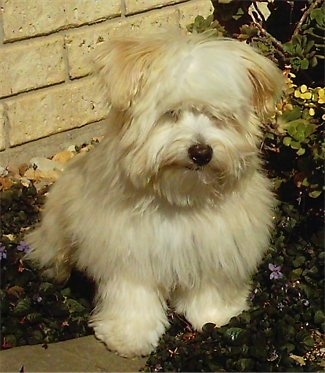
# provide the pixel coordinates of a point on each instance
(3, 252)
(23, 247)
(276, 273)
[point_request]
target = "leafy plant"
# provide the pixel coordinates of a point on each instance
(299, 127)
(202, 24)
(34, 310)
(306, 47)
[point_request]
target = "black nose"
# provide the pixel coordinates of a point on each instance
(200, 154)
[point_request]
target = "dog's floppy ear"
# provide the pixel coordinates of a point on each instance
(266, 79)
(122, 65)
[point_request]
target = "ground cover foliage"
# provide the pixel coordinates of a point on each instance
(283, 329)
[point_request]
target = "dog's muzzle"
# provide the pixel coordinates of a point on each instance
(200, 154)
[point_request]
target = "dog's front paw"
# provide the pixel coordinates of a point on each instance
(210, 305)
(218, 316)
(129, 339)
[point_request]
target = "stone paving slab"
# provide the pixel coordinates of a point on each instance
(84, 354)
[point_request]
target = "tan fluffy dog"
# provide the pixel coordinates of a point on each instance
(172, 206)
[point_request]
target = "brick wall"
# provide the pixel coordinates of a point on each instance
(47, 97)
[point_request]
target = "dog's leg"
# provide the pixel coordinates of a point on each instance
(130, 317)
(210, 303)
(49, 249)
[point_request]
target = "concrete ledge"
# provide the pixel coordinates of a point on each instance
(84, 354)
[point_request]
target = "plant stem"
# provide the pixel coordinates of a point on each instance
(304, 16)
(281, 51)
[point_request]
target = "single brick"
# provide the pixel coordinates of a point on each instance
(80, 12)
(26, 18)
(36, 64)
(2, 128)
(160, 19)
(54, 110)
(188, 11)
(136, 6)
(81, 44)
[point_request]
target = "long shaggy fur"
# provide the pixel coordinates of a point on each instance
(140, 215)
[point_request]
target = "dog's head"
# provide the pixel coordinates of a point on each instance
(187, 111)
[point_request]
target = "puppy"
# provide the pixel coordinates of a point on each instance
(172, 207)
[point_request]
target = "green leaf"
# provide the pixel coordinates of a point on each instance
(301, 151)
(309, 342)
(319, 317)
(309, 45)
(22, 307)
(287, 141)
(290, 115)
(200, 24)
(295, 145)
(313, 61)
(74, 306)
(318, 15)
(289, 47)
(299, 261)
(36, 337)
(300, 129)
(34, 317)
(315, 193)
(304, 64)
(66, 292)
(296, 274)
(305, 182)
(245, 365)
(47, 288)
(236, 335)
(238, 15)
(289, 347)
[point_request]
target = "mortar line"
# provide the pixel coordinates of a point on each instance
(6, 126)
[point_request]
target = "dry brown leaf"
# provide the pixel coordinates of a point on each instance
(16, 291)
(64, 156)
(23, 168)
(98, 138)
(10, 236)
(25, 181)
(5, 183)
(299, 359)
(38, 175)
